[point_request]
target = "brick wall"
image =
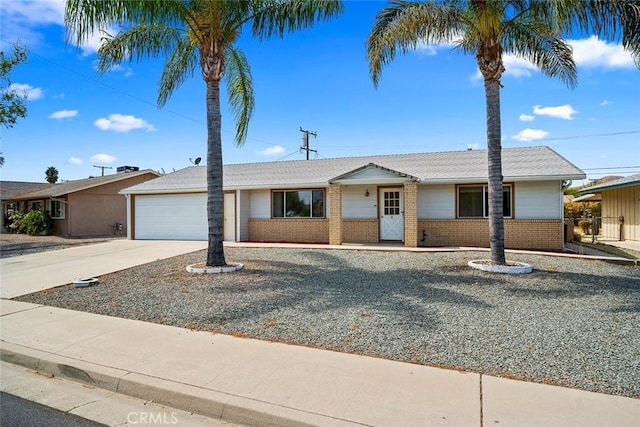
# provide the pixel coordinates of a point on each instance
(335, 215)
(519, 233)
(360, 230)
(300, 230)
(411, 214)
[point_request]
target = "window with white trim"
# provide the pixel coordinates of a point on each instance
(297, 204)
(56, 208)
(473, 201)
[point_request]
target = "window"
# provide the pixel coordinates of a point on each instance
(473, 201)
(56, 207)
(298, 204)
(35, 205)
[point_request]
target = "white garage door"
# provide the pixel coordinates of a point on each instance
(175, 217)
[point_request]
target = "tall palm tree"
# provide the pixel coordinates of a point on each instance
(197, 35)
(488, 29)
(51, 175)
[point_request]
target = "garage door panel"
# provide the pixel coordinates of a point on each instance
(175, 217)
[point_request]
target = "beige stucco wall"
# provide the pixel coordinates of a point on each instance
(94, 211)
(621, 202)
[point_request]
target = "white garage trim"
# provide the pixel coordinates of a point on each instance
(171, 217)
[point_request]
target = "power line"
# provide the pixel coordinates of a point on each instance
(115, 89)
(611, 168)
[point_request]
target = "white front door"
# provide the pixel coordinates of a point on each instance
(391, 214)
(229, 207)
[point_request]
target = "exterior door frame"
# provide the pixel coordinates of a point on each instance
(399, 220)
(229, 217)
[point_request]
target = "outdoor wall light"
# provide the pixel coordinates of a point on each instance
(366, 193)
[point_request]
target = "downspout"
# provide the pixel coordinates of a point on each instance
(129, 225)
(563, 219)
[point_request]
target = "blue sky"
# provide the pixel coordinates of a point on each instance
(428, 100)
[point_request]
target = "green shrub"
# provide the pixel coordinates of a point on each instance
(585, 225)
(35, 222)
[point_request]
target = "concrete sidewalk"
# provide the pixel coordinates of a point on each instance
(255, 382)
(261, 383)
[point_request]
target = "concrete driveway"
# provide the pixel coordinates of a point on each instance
(26, 274)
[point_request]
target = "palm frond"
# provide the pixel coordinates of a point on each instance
(143, 40)
(277, 17)
(181, 65)
(240, 91)
(83, 18)
(404, 25)
(540, 44)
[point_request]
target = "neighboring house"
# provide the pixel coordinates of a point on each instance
(620, 207)
(85, 207)
(9, 190)
(429, 199)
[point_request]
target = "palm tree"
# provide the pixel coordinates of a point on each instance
(488, 29)
(192, 33)
(51, 175)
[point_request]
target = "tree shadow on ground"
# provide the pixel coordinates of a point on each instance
(584, 285)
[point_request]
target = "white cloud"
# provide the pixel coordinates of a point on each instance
(74, 161)
(593, 52)
(63, 114)
(21, 19)
(123, 123)
(605, 103)
(432, 49)
(26, 91)
(526, 118)
(517, 67)
(565, 112)
(273, 151)
(103, 158)
(527, 135)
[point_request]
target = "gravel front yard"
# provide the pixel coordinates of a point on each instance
(14, 244)
(573, 323)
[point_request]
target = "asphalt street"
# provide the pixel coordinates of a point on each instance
(18, 412)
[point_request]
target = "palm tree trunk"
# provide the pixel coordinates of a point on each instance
(215, 214)
(494, 158)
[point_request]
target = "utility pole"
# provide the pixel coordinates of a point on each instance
(103, 168)
(305, 141)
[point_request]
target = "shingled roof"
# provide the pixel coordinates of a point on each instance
(628, 181)
(518, 164)
(10, 189)
(57, 190)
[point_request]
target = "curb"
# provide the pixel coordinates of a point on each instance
(202, 401)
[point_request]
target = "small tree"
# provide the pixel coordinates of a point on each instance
(12, 104)
(51, 175)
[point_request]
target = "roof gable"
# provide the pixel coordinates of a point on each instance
(372, 173)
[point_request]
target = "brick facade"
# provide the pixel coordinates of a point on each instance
(360, 230)
(335, 215)
(298, 230)
(544, 234)
(411, 214)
